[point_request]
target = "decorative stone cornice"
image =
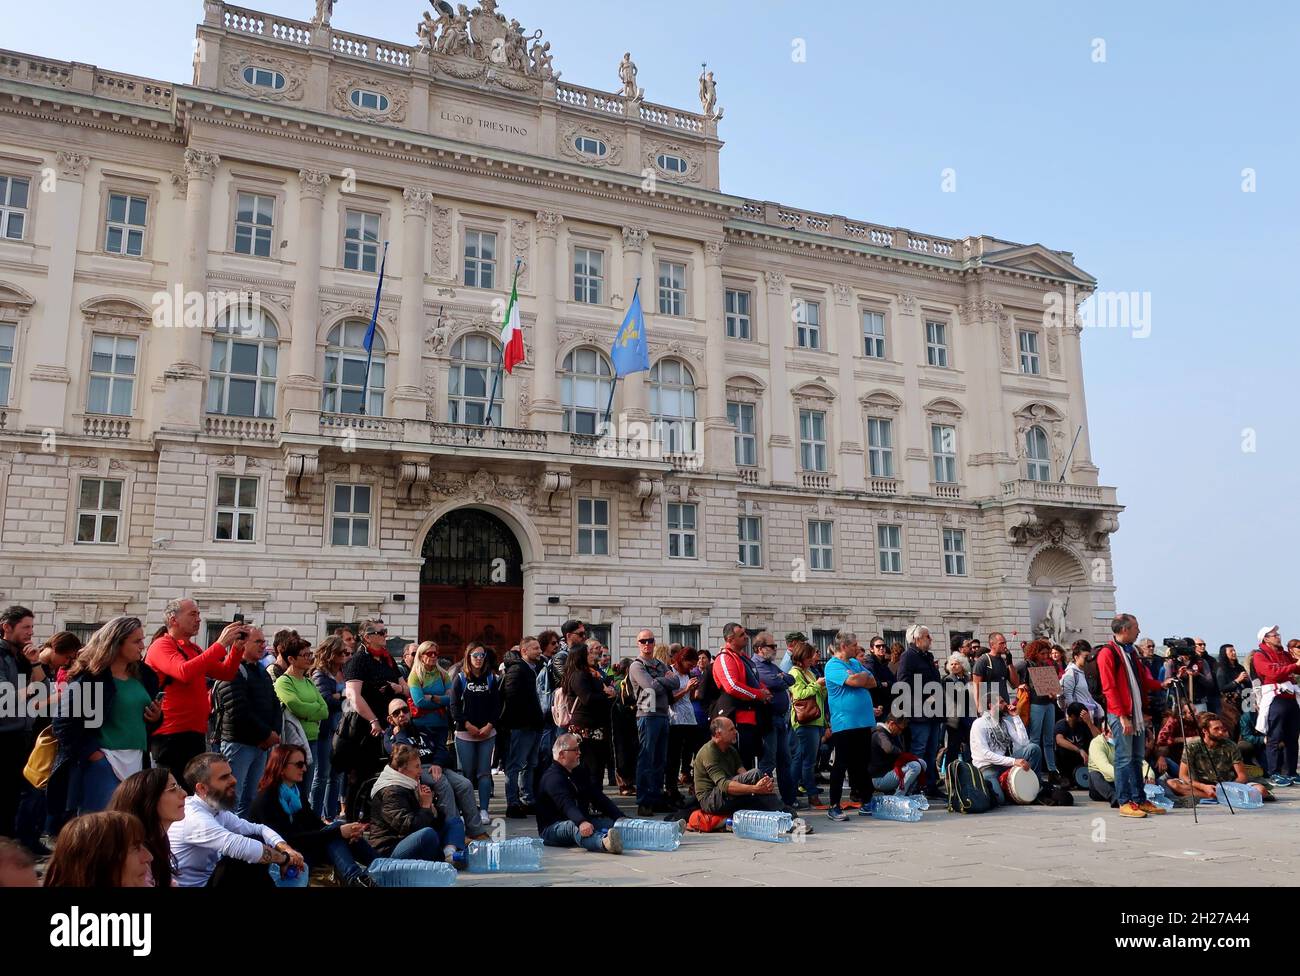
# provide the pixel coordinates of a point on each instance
(548, 224)
(634, 238)
(201, 165)
(72, 165)
(312, 184)
(982, 310)
(417, 202)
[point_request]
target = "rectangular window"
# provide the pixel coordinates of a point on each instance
(600, 632)
(954, 552)
(873, 334)
(593, 527)
(236, 509)
(1029, 353)
(943, 443)
(892, 637)
(124, 229)
(749, 532)
(808, 324)
(14, 194)
(681, 530)
(8, 341)
(936, 344)
(812, 440)
(588, 275)
(686, 636)
(672, 288)
(737, 314)
(350, 524)
(254, 224)
(889, 544)
(99, 511)
(361, 241)
(480, 259)
(83, 632)
(824, 641)
(741, 416)
(112, 375)
(880, 447)
(820, 546)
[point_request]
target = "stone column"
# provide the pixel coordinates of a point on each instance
(912, 440)
(302, 388)
(1082, 470)
(983, 322)
(635, 251)
(408, 398)
(719, 437)
(546, 409)
(849, 466)
(55, 343)
(778, 395)
(183, 377)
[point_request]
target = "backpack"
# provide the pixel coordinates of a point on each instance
(967, 791)
(1055, 796)
(544, 694)
(363, 802)
(561, 708)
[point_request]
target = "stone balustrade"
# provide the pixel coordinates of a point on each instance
(1053, 492)
(239, 428)
(267, 26)
(832, 225)
(106, 428)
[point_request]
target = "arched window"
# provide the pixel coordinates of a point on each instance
(345, 370)
(475, 359)
(263, 78)
(373, 101)
(672, 404)
(670, 163)
(241, 373)
(585, 389)
(1038, 455)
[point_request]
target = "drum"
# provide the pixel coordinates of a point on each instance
(1081, 776)
(1019, 785)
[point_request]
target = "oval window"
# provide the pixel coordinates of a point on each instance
(373, 101)
(263, 78)
(672, 164)
(589, 147)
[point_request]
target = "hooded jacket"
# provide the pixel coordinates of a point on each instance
(395, 811)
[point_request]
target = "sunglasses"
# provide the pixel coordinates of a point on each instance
(299, 764)
(377, 633)
(400, 711)
(645, 640)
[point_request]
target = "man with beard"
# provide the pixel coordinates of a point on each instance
(214, 848)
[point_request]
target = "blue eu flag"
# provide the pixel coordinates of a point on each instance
(630, 353)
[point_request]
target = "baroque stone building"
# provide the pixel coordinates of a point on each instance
(850, 425)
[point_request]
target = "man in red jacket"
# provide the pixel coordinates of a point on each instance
(183, 669)
(743, 694)
(1126, 684)
(1278, 672)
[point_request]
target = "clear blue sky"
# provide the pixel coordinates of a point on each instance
(1133, 164)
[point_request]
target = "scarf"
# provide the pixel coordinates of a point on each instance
(388, 776)
(290, 799)
(1135, 690)
(381, 655)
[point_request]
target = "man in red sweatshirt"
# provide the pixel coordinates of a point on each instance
(183, 669)
(743, 694)
(1278, 673)
(1127, 684)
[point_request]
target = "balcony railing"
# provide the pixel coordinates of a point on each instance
(947, 491)
(1055, 492)
(833, 225)
(504, 438)
(882, 486)
(239, 428)
(816, 481)
(748, 475)
(373, 428)
(267, 26)
(108, 428)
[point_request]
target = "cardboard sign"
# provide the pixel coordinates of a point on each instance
(1045, 681)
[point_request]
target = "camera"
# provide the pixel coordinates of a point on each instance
(1180, 645)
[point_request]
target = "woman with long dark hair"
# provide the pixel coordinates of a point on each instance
(475, 708)
(278, 805)
(685, 734)
(589, 699)
(154, 798)
(1042, 708)
(1231, 678)
(327, 675)
(623, 721)
(101, 850)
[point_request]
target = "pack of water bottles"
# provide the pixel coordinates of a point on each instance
(1156, 794)
(520, 855)
(765, 825)
(392, 872)
(904, 809)
(1242, 795)
(649, 835)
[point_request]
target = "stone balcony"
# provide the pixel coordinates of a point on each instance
(1058, 494)
(1037, 511)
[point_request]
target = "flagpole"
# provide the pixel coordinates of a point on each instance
(374, 317)
(500, 373)
(636, 287)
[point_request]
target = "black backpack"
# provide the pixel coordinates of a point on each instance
(363, 802)
(1055, 796)
(967, 791)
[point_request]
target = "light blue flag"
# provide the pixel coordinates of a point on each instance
(631, 354)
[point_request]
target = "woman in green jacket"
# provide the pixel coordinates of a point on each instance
(808, 734)
(302, 699)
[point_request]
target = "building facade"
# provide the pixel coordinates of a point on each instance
(844, 424)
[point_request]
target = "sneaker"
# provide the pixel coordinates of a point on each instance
(449, 854)
(645, 811)
(800, 826)
(1277, 780)
(613, 841)
(1132, 810)
(1147, 807)
(836, 814)
(484, 817)
(361, 879)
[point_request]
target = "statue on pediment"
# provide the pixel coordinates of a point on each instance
(324, 11)
(454, 36)
(627, 75)
(483, 34)
(427, 30)
(709, 95)
(541, 61)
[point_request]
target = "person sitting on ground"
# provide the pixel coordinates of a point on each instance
(101, 850)
(1101, 768)
(572, 810)
(212, 846)
(1073, 733)
(154, 798)
(17, 866)
(1180, 727)
(893, 769)
(999, 741)
(403, 820)
(1212, 758)
(722, 785)
(453, 794)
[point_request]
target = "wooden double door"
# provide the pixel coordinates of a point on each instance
(454, 616)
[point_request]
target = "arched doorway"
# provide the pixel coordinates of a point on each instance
(471, 584)
(1055, 574)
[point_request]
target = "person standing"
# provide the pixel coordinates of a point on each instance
(682, 726)
(853, 716)
(327, 675)
(878, 664)
(248, 719)
(1042, 707)
(1232, 679)
(1074, 683)
(741, 696)
(623, 729)
(301, 699)
(655, 688)
(589, 708)
(1279, 715)
(918, 674)
(371, 680)
(993, 676)
(776, 738)
(808, 732)
(475, 708)
(521, 714)
(183, 671)
(959, 704)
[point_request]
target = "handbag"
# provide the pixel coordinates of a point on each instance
(40, 764)
(806, 710)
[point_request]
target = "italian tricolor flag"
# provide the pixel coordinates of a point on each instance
(512, 333)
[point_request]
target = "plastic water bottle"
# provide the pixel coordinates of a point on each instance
(890, 807)
(522, 854)
(390, 872)
(769, 825)
(1156, 794)
(1241, 795)
(920, 801)
(649, 835)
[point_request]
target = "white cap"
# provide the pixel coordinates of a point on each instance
(1264, 632)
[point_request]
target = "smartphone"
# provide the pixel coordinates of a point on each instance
(158, 698)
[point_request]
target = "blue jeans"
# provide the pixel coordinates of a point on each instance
(889, 782)
(926, 733)
(348, 859)
(1129, 753)
(1030, 753)
(247, 763)
(324, 796)
(807, 743)
(776, 758)
(426, 844)
(1042, 732)
(475, 761)
(564, 833)
(91, 786)
(521, 760)
(652, 734)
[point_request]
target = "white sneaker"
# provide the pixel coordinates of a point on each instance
(449, 854)
(483, 816)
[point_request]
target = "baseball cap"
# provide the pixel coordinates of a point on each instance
(1264, 632)
(798, 635)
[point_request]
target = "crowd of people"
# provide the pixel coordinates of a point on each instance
(249, 765)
